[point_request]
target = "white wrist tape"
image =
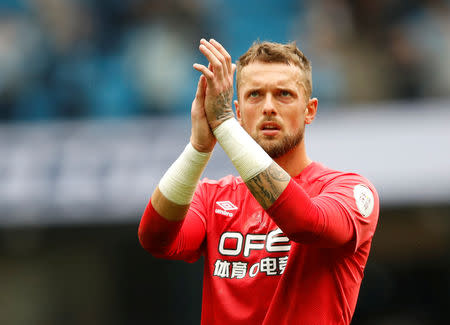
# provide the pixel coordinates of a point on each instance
(245, 154)
(180, 181)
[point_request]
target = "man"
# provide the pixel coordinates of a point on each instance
(285, 243)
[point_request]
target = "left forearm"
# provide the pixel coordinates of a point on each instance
(268, 185)
(264, 178)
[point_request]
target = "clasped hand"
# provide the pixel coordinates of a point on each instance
(213, 100)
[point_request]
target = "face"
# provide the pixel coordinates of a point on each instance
(272, 106)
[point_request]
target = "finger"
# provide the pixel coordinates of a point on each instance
(233, 68)
(210, 67)
(206, 72)
(214, 57)
(220, 56)
(213, 49)
(224, 53)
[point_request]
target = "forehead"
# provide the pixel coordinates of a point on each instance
(259, 74)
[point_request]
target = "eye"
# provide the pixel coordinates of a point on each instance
(285, 93)
(254, 94)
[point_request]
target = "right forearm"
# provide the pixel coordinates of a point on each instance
(176, 188)
(166, 208)
(156, 233)
(169, 205)
(170, 201)
(179, 240)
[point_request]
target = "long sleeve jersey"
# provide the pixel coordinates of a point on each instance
(299, 262)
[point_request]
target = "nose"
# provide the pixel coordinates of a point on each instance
(269, 105)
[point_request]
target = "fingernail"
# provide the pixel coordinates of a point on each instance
(212, 40)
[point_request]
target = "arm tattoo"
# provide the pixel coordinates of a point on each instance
(268, 185)
(222, 106)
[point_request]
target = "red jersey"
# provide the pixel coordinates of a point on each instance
(299, 262)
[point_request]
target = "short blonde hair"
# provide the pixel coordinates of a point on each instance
(271, 52)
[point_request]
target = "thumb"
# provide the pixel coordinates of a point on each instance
(201, 87)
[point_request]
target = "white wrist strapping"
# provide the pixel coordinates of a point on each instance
(180, 181)
(245, 154)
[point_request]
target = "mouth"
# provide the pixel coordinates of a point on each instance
(270, 128)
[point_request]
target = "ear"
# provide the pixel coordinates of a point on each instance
(311, 110)
(238, 111)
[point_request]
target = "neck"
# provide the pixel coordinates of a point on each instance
(295, 160)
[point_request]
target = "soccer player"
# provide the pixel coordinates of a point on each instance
(288, 240)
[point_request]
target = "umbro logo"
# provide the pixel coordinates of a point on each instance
(226, 206)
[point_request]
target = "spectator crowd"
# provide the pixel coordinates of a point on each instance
(115, 58)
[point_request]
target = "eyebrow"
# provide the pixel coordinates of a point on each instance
(251, 88)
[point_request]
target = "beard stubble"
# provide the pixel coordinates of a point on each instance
(277, 148)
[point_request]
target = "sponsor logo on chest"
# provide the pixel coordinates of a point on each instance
(234, 244)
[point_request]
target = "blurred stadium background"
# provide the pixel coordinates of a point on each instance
(94, 106)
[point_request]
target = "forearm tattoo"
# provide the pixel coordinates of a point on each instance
(222, 106)
(268, 185)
